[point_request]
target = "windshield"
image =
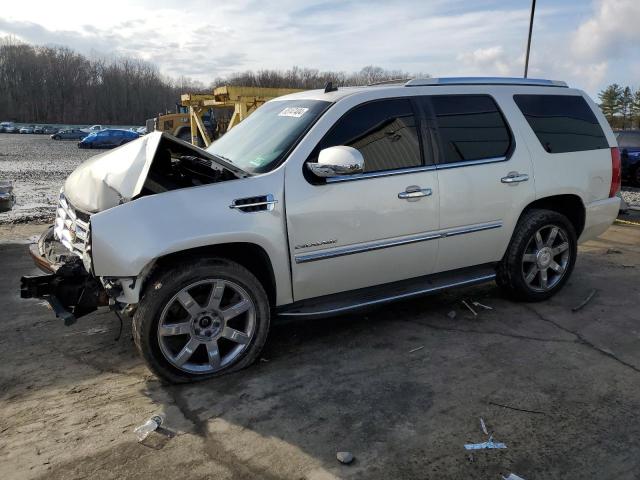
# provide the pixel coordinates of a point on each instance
(260, 142)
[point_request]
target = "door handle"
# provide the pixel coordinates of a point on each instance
(414, 192)
(515, 177)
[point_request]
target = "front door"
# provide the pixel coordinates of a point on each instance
(357, 231)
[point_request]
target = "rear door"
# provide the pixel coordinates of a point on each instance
(485, 178)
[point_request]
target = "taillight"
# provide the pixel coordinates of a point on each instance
(616, 172)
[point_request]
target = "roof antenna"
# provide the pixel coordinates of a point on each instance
(330, 88)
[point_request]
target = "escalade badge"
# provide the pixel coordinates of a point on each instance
(316, 244)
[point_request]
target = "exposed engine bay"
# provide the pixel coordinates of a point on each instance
(177, 166)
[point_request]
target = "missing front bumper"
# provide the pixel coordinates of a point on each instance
(70, 290)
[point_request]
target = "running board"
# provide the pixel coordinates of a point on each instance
(344, 302)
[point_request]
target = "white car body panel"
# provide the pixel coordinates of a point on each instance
(127, 238)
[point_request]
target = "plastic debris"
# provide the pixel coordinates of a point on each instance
(478, 304)
(452, 314)
(469, 307)
(416, 349)
(586, 300)
(512, 476)
(345, 457)
(483, 426)
(481, 446)
(147, 427)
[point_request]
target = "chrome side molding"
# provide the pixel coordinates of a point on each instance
(380, 244)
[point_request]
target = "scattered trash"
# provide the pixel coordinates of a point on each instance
(613, 250)
(147, 427)
(483, 426)
(481, 446)
(262, 359)
(516, 409)
(478, 304)
(416, 349)
(585, 301)
(345, 457)
(628, 266)
(452, 314)
(512, 476)
(469, 307)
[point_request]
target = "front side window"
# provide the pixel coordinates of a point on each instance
(384, 131)
(562, 123)
(261, 142)
(471, 127)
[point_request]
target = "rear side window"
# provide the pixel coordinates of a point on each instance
(384, 132)
(562, 123)
(471, 127)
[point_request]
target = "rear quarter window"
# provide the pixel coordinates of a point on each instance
(562, 123)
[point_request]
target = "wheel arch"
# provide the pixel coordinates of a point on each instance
(250, 255)
(569, 205)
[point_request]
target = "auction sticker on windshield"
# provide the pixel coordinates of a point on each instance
(293, 112)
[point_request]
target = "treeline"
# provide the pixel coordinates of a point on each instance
(58, 85)
(309, 78)
(621, 106)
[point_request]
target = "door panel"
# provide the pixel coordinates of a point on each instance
(380, 237)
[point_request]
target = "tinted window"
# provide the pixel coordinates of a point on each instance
(383, 131)
(471, 127)
(628, 140)
(562, 123)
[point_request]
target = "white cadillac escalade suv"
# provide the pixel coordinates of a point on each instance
(326, 201)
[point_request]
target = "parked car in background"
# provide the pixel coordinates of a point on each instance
(38, 129)
(9, 127)
(27, 129)
(7, 198)
(141, 130)
(93, 128)
(111, 137)
(49, 130)
(327, 201)
(629, 143)
(69, 134)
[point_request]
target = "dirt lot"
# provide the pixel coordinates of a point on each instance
(561, 389)
(38, 166)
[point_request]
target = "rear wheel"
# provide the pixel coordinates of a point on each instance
(201, 320)
(540, 256)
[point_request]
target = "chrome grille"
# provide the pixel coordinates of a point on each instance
(69, 229)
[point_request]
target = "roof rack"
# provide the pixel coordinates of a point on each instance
(539, 82)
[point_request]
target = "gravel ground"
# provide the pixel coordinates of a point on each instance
(38, 166)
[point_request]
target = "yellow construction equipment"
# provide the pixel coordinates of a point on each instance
(243, 100)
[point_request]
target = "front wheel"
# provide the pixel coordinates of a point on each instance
(200, 320)
(540, 256)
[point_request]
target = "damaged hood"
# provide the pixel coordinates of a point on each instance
(117, 176)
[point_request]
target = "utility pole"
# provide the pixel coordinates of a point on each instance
(526, 61)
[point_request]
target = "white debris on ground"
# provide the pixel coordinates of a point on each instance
(631, 195)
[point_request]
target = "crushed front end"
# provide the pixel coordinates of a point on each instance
(64, 253)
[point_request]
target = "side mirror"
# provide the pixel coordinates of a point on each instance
(337, 161)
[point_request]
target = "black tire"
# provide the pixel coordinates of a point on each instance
(511, 275)
(56, 137)
(161, 291)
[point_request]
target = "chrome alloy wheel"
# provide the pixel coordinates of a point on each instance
(546, 258)
(206, 326)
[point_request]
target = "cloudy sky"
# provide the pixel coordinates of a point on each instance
(589, 43)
